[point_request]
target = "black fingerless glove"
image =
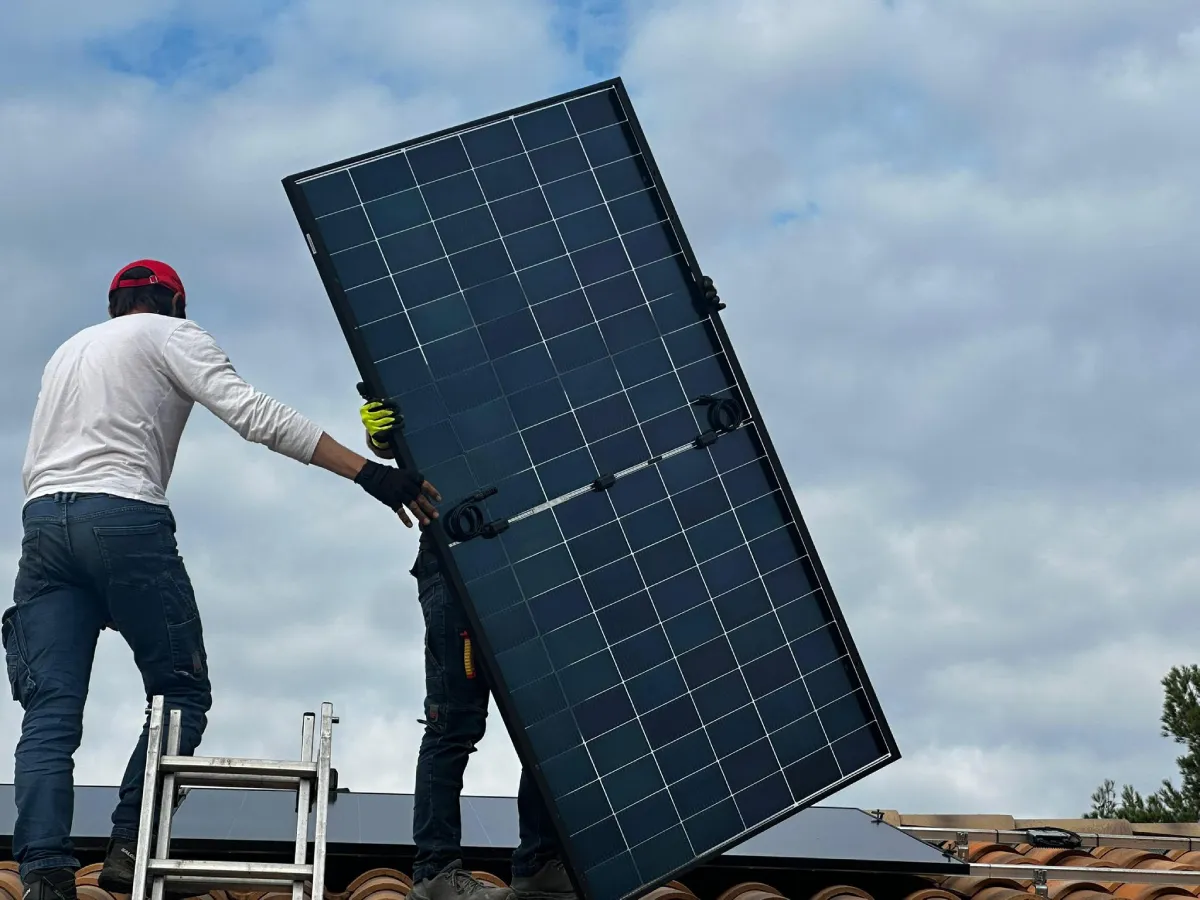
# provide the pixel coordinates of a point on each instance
(392, 487)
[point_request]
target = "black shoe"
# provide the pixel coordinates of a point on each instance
(456, 883)
(116, 876)
(49, 884)
(550, 881)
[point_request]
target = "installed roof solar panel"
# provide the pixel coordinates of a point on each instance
(662, 640)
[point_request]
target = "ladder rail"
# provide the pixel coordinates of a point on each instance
(324, 760)
(303, 804)
(166, 800)
(149, 789)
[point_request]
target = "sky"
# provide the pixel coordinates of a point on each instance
(957, 243)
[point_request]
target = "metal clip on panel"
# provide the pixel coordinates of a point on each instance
(1039, 883)
(168, 773)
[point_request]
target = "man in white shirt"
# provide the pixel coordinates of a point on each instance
(99, 547)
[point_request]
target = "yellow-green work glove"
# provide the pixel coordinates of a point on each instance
(377, 417)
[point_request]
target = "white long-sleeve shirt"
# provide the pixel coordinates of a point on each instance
(116, 396)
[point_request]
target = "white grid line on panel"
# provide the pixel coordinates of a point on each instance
(712, 599)
(433, 220)
(808, 755)
(800, 802)
(595, 321)
(459, 133)
(842, 780)
(670, 496)
(689, 690)
(390, 277)
(573, 564)
(553, 218)
(557, 674)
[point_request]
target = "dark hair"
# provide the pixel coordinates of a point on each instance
(154, 298)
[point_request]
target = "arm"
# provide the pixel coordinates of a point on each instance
(203, 372)
(333, 457)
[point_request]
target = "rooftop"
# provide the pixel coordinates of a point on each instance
(824, 853)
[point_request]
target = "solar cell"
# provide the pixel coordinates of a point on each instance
(665, 647)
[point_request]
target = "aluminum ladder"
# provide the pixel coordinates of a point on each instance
(167, 773)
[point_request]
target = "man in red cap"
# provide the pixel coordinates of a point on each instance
(99, 547)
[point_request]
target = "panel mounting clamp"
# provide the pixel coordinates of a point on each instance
(1039, 883)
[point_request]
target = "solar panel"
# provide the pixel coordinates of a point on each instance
(819, 837)
(663, 642)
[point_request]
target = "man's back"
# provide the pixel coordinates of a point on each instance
(109, 415)
(98, 548)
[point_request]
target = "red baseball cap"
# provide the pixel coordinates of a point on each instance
(161, 273)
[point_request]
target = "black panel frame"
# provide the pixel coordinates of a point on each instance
(366, 367)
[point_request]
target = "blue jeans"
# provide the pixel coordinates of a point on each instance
(90, 561)
(456, 707)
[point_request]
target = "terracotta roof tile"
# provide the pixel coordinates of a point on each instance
(754, 890)
(10, 884)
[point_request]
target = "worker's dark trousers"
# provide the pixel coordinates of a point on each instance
(88, 560)
(456, 709)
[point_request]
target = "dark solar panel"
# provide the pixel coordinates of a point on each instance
(666, 649)
(819, 837)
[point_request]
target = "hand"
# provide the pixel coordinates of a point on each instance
(400, 490)
(378, 417)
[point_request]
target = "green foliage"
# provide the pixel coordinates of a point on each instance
(1180, 721)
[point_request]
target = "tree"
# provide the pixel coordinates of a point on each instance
(1181, 721)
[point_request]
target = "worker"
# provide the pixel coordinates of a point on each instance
(456, 706)
(99, 548)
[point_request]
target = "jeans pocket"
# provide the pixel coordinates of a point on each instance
(136, 554)
(187, 649)
(16, 666)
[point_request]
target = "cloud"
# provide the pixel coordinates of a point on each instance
(956, 240)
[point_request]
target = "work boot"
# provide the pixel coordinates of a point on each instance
(550, 881)
(116, 876)
(49, 884)
(455, 882)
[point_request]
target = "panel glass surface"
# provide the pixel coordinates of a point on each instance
(524, 299)
(672, 659)
(665, 645)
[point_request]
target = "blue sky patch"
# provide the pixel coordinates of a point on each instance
(595, 31)
(170, 52)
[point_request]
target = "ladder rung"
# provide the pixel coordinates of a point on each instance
(207, 870)
(251, 884)
(191, 765)
(236, 780)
